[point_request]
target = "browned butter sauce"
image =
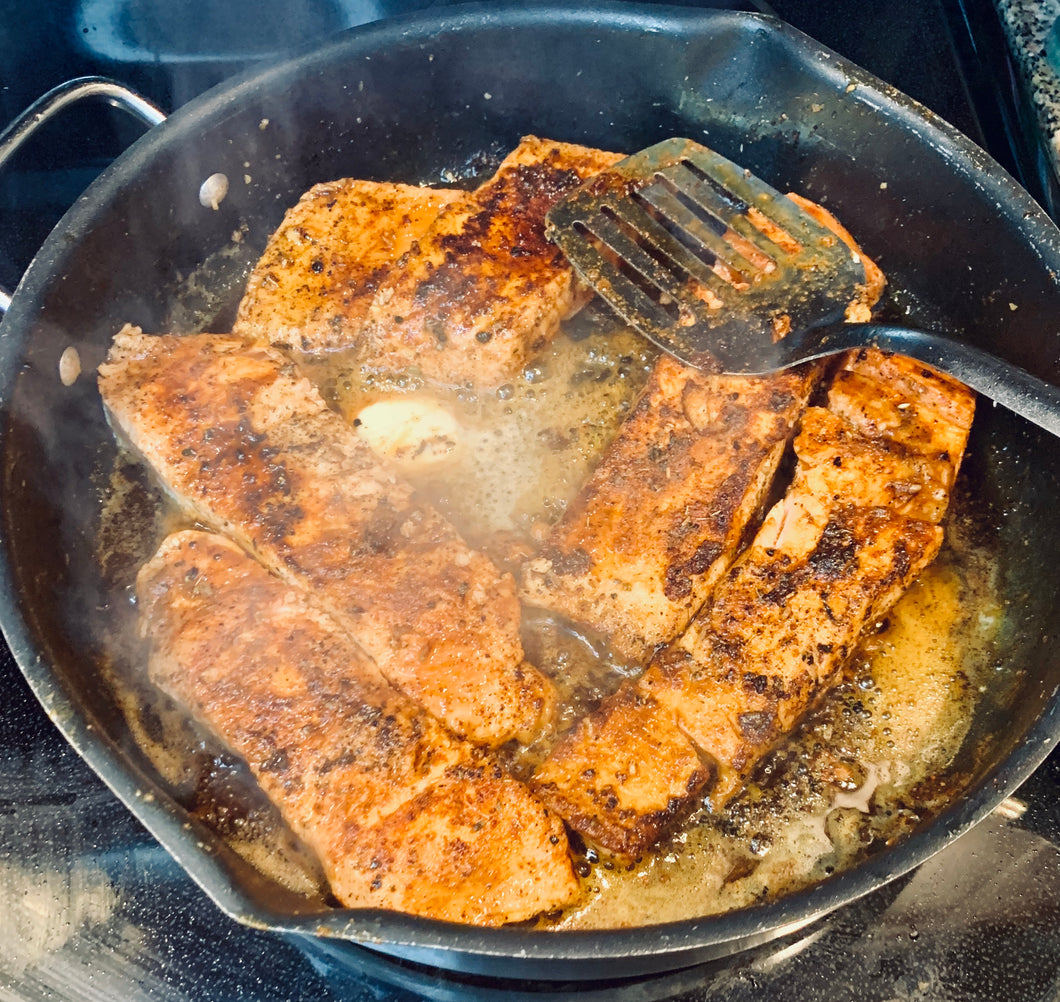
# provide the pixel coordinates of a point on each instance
(872, 762)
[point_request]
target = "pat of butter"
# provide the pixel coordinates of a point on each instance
(408, 430)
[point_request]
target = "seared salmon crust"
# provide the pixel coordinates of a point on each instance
(248, 447)
(858, 523)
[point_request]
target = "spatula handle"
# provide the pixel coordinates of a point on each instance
(1000, 381)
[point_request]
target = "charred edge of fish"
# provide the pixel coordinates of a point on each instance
(678, 582)
(757, 725)
(836, 553)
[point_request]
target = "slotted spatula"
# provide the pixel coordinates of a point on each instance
(721, 270)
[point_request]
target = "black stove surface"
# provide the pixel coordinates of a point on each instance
(92, 908)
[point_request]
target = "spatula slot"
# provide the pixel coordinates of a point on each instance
(747, 219)
(698, 232)
(642, 237)
(610, 255)
(686, 174)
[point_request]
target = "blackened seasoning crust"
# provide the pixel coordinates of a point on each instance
(311, 289)
(831, 557)
(482, 291)
(660, 520)
(297, 487)
(756, 726)
(835, 552)
(401, 814)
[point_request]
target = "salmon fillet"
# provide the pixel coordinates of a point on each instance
(857, 525)
(401, 814)
(483, 291)
(249, 448)
(660, 520)
(901, 400)
(859, 310)
(311, 288)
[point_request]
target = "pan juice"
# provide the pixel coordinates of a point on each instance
(872, 762)
(514, 456)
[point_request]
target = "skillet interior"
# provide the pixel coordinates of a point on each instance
(405, 100)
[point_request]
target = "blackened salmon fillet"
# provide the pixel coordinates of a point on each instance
(248, 447)
(311, 289)
(642, 546)
(483, 291)
(401, 814)
(858, 523)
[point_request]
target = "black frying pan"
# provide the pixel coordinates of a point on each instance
(966, 251)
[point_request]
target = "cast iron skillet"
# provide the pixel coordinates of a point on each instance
(967, 249)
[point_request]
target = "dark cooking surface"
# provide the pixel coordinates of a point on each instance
(90, 907)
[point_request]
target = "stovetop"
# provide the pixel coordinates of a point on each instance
(92, 908)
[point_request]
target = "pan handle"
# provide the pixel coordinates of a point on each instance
(56, 100)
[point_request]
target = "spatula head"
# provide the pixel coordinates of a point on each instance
(704, 258)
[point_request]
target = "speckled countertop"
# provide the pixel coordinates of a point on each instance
(1028, 24)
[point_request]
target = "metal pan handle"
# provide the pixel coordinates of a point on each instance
(56, 100)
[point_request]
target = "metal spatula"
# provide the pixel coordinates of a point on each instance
(721, 270)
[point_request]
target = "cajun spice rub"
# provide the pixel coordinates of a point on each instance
(642, 546)
(311, 288)
(400, 813)
(483, 291)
